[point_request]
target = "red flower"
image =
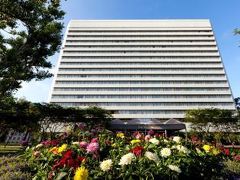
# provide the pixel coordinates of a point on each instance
(137, 150)
(226, 152)
(81, 159)
(68, 154)
(94, 140)
(69, 159)
(237, 157)
(194, 138)
(54, 142)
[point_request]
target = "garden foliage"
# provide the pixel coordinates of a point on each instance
(97, 153)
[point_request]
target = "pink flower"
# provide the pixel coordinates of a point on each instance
(137, 135)
(94, 140)
(81, 126)
(92, 147)
(151, 132)
(83, 144)
(54, 142)
(147, 137)
(237, 157)
(36, 153)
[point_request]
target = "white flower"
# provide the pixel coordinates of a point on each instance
(75, 143)
(198, 151)
(154, 141)
(106, 165)
(165, 152)
(39, 146)
(174, 168)
(151, 156)
(68, 129)
(177, 139)
(126, 159)
(183, 149)
(165, 140)
(174, 147)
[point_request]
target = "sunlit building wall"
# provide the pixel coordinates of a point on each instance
(141, 68)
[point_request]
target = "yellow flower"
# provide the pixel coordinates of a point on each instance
(114, 145)
(81, 174)
(54, 150)
(62, 148)
(121, 135)
(207, 148)
(134, 141)
(215, 151)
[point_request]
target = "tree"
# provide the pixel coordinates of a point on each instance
(24, 116)
(30, 32)
(237, 31)
(237, 102)
(21, 116)
(204, 119)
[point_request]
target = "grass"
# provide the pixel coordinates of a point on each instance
(14, 168)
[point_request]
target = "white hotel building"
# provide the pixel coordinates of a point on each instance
(153, 69)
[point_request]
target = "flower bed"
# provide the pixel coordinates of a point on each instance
(101, 154)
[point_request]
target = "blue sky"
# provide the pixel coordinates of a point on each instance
(224, 16)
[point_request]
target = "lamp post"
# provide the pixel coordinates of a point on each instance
(125, 126)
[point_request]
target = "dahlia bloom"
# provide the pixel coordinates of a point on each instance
(154, 141)
(150, 132)
(81, 174)
(177, 139)
(83, 144)
(215, 151)
(152, 156)
(120, 135)
(207, 148)
(92, 147)
(226, 151)
(62, 148)
(165, 140)
(165, 152)
(69, 159)
(54, 142)
(198, 151)
(147, 137)
(106, 165)
(54, 150)
(183, 149)
(39, 146)
(37, 153)
(237, 157)
(134, 141)
(174, 168)
(137, 151)
(75, 143)
(126, 159)
(94, 140)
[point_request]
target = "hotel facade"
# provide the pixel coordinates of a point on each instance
(141, 69)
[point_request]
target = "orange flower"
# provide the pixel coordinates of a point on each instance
(54, 150)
